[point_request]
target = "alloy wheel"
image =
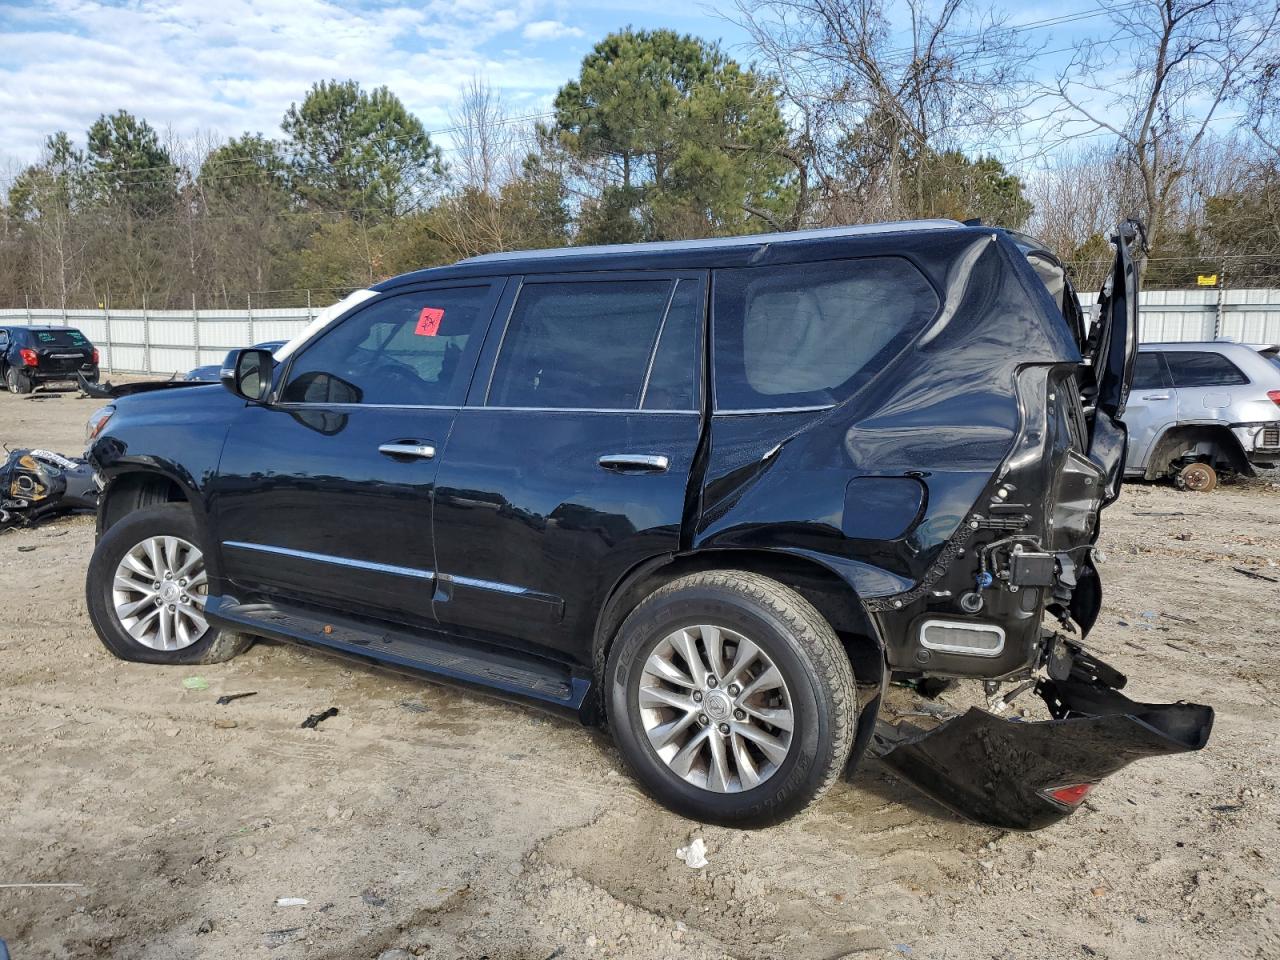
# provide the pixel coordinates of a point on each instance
(716, 709)
(159, 593)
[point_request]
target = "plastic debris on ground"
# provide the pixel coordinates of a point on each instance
(694, 855)
(196, 683)
(291, 902)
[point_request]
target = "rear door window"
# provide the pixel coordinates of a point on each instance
(583, 344)
(1196, 369)
(812, 334)
(1149, 372)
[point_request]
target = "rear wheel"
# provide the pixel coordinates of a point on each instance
(17, 381)
(731, 698)
(147, 587)
(1197, 477)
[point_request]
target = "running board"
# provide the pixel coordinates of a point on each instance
(504, 673)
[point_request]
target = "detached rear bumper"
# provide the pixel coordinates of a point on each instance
(1004, 773)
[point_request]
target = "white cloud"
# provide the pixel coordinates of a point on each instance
(549, 30)
(191, 67)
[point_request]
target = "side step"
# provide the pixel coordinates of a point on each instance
(501, 672)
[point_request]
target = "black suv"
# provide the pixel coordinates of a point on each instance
(37, 355)
(716, 492)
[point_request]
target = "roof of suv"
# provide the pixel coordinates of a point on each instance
(687, 254)
(717, 243)
(1220, 346)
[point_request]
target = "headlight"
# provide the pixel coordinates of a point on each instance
(97, 420)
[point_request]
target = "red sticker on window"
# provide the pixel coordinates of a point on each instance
(429, 321)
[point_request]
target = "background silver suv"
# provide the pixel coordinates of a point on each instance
(1200, 409)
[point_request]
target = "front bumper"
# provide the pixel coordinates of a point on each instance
(1003, 772)
(1259, 441)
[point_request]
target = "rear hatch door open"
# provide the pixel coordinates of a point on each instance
(1110, 351)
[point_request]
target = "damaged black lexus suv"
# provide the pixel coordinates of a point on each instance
(717, 494)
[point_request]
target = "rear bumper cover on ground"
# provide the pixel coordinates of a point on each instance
(1000, 772)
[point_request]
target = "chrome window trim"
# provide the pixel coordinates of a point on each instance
(752, 410)
(329, 558)
(300, 405)
(583, 410)
(657, 340)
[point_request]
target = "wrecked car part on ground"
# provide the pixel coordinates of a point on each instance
(714, 492)
(113, 391)
(38, 484)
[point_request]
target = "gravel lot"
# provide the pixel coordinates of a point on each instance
(449, 825)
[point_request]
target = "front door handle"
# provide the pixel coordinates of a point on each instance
(625, 462)
(1155, 396)
(408, 448)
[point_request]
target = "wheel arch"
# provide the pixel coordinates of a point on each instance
(830, 595)
(1226, 448)
(134, 490)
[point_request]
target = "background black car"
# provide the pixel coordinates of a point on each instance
(209, 373)
(30, 356)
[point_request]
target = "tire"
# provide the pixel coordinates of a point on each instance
(1197, 477)
(185, 643)
(817, 687)
(16, 381)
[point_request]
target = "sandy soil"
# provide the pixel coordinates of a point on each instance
(443, 824)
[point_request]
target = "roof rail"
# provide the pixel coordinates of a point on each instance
(756, 239)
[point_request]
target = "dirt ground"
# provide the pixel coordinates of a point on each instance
(442, 824)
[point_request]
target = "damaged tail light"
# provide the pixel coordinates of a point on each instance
(95, 356)
(29, 357)
(1069, 796)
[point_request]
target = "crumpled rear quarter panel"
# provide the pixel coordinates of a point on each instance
(943, 413)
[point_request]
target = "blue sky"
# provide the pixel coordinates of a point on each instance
(216, 68)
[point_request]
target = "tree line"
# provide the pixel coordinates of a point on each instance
(1168, 112)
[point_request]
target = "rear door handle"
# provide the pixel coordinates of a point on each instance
(408, 448)
(1155, 396)
(624, 462)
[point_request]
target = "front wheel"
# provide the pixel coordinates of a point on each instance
(731, 698)
(147, 587)
(17, 381)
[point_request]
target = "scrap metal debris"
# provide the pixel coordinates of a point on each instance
(35, 484)
(317, 718)
(111, 391)
(1255, 575)
(226, 698)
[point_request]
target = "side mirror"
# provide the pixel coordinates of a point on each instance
(247, 373)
